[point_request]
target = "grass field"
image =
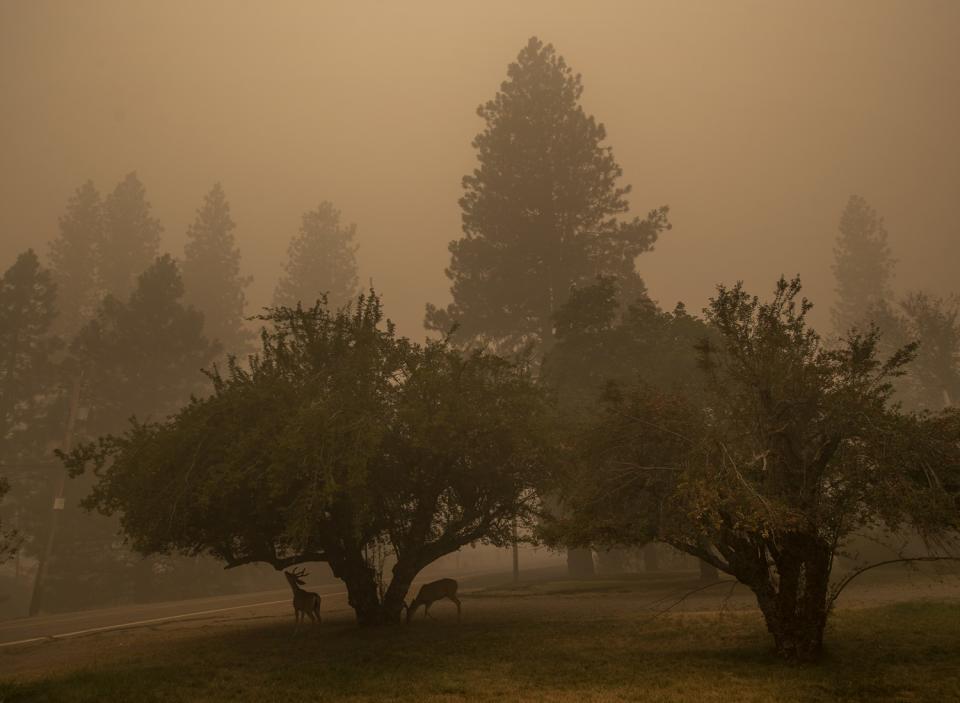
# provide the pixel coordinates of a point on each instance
(552, 641)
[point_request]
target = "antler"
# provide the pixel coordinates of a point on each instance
(299, 573)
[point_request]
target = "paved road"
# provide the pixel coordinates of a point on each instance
(21, 631)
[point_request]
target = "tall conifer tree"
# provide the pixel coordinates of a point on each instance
(863, 266)
(74, 259)
(28, 377)
(542, 212)
(321, 259)
(131, 237)
(211, 273)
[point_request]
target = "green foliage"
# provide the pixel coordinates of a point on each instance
(932, 382)
(601, 341)
(75, 259)
(321, 261)
(28, 376)
(29, 381)
(131, 238)
(791, 448)
(142, 356)
(340, 442)
(211, 273)
(863, 266)
(541, 212)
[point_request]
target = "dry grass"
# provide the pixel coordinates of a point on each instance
(550, 641)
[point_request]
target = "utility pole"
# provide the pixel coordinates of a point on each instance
(36, 599)
(516, 554)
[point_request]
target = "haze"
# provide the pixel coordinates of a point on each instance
(754, 121)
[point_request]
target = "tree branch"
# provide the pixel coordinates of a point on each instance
(843, 584)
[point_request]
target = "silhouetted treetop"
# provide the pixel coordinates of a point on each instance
(321, 261)
(541, 212)
(131, 237)
(863, 265)
(211, 273)
(75, 258)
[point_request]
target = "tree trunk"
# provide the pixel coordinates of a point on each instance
(580, 563)
(363, 596)
(651, 559)
(797, 636)
(795, 606)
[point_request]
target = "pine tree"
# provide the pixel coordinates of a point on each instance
(541, 212)
(211, 273)
(321, 259)
(28, 375)
(142, 356)
(863, 266)
(131, 237)
(29, 383)
(74, 259)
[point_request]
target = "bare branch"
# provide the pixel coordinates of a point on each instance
(843, 584)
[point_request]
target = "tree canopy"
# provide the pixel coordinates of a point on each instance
(321, 261)
(863, 266)
(142, 356)
(212, 280)
(341, 443)
(28, 374)
(792, 448)
(75, 259)
(131, 237)
(542, 211)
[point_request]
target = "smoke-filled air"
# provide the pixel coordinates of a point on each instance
(446, 351)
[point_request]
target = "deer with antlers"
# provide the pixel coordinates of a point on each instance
(304, 602)
(434, 591)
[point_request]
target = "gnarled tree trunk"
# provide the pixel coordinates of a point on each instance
(794, 599)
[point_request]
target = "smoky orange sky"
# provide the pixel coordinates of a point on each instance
(754, 121)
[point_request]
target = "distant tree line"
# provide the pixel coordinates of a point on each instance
(131, 328)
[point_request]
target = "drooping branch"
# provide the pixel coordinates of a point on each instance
(845, 582)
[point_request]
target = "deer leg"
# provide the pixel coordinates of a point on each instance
(457, 601)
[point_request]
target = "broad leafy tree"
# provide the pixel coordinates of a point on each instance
(341, 443)
(321, 261)
(935, 325)
(131, 237)
(863, 266)
(601, 341)
(544, 210)
(75, 259)
(792, 448)
(211, 273)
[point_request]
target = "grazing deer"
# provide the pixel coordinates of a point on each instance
(434, 591)
(304, 602)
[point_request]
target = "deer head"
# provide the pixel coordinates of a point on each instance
(296, 576)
